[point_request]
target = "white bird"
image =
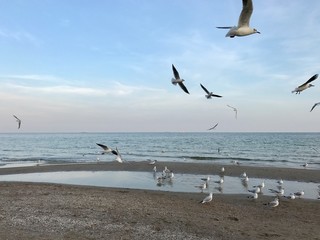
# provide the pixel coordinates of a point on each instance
(299, 194)
(213, 127)
(316, 104)
(177, 80)
(209, 94)
(243, 28)
(274, 203)
(253, 196)
(207, 198)
(243, 175)
(155, 169)
(255, 190)
(279, 193)
(222, 170)
(202, 186)
(105, 148)
(291, 196)
(18, 120)
(306, 85)
(235, 110)
(280, 181)
(118, 155)
(305, 165)
(220, 181)
(207, 179)
(261, 185)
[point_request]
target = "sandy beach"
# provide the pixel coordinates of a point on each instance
(55, 211)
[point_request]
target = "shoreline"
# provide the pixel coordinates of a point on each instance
(292, 174)
(55, 211)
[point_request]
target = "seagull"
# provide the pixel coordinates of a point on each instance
(213, 127)
(255, 190)
(305, 165)
(209, 94)
(299, 194)
(316, 104)
(202, 186)
(280, 181)
(117, 153)
(243, 28)
(177, 80)
(235, 110)
(306, 85)
(279, 193)
(105, 148)
(274, 203)
(207, 198)
(291, 196)
(253, 196)
(18, 120)
(261, 185)
(220, 181)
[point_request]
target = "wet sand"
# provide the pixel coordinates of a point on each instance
(55, 211)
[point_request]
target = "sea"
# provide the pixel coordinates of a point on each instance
(290, 150)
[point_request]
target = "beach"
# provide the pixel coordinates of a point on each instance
(56, 211)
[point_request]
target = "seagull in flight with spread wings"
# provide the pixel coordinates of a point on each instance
(177, 80)
(213, 127)
(243, 28)
(235, 110)
(18, 120)
(306, 85)
(209, 94)
(316, 104)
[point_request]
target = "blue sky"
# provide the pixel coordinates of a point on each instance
(82, 65)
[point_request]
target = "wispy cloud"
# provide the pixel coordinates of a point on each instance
(20, 36)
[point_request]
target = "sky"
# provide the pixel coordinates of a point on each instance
(105, 66)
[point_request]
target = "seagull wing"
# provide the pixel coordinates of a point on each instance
(103, 146)
(213, 127)
(316, 104)
(224, 27)
(175, 72)
(215, 95)
(247, 9)
(206, 90)
(183, 87)
(18, 120)
(314, 77)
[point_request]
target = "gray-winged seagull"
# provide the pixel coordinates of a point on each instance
(235, 110)
(105, 148)
(306, 85)
(316, 104)
(209, 94)
(243, 28)
(18, 120)
(177, 80)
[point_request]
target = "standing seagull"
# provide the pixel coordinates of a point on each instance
(316, 104)
(177, 80)
(18, 120)
(235, 110)
(207, 198)
(209, 94)
(306, 85)
(243, 28)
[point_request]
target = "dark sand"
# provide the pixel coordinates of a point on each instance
(55, 211)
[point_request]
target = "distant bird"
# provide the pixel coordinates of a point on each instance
(18, 120)
(306, 85)
(291, 196)
(220, 181)
(253, 196)
(255, 190)
(213, 127)
(177, 80)
(299, 194)
(274, 203)
(261, 185)
(278, 193)
(202, 186)
(243, 28)
(235, 110)
(207, 198)
(280, 181)
(209, 94)
(118, 155)
(105, 148)
(305, 165)
(316, 104)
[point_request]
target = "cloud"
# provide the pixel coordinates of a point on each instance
(20, 36)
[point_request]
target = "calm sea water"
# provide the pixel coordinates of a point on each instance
(262, 149)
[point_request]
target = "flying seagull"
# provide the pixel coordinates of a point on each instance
(177, 80)
(209, 94)
(306, 85)
(213, 127)
(118, 155)
(235, 110)
(18, 120)
(243, 28)
(316, 104)
(105, 148)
